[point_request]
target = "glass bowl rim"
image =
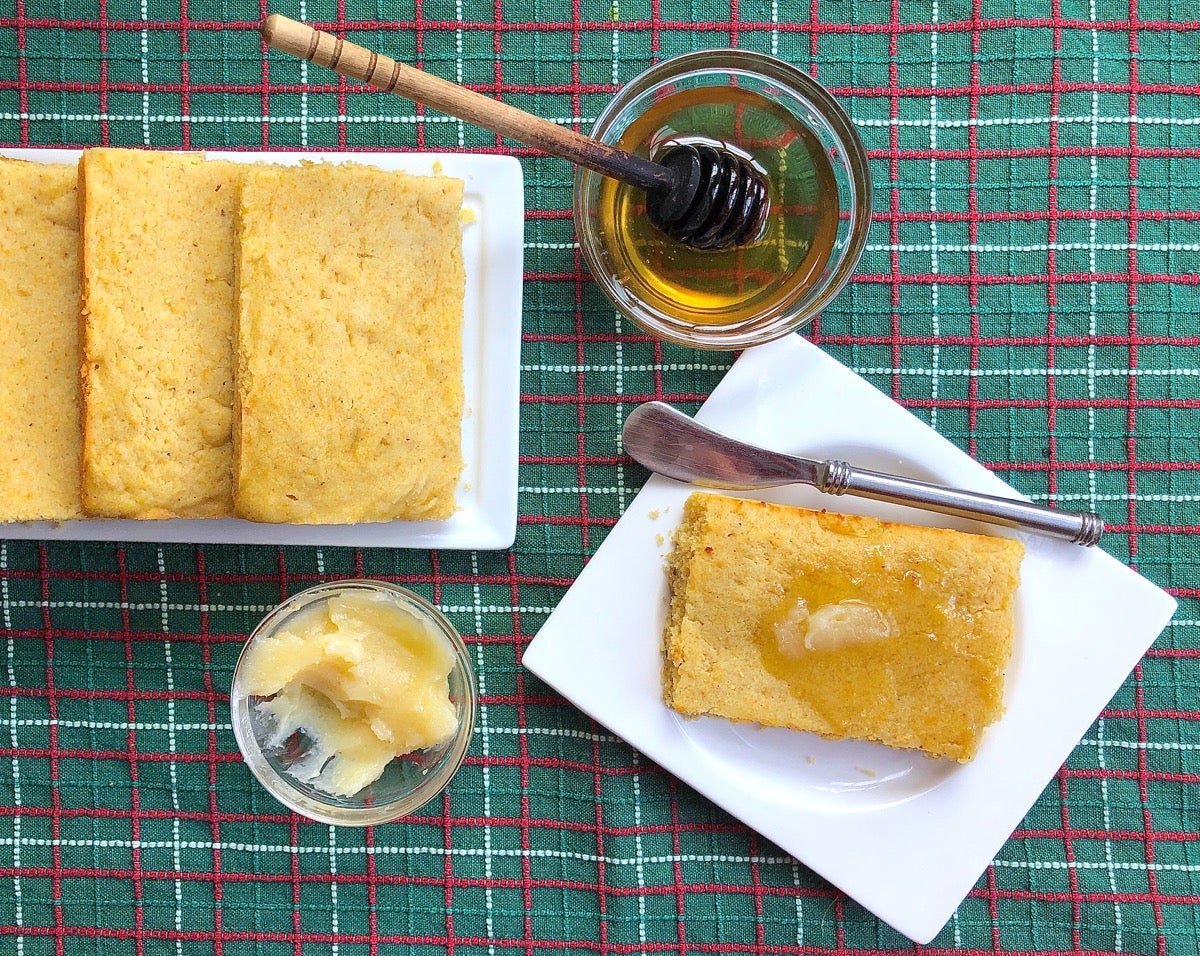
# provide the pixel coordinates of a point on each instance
(733, 62)
(328, 811)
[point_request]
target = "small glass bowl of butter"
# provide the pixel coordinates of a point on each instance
(354, 702)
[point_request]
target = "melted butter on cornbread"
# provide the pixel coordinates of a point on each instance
(822, 630)
(838, 624)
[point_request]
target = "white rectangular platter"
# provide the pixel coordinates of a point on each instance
(493, 254)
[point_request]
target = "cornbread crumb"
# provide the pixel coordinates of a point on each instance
(158, 232)
(750, 580)
(39, 320)
(349, 346)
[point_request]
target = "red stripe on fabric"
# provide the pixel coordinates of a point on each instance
(214, 757)
(1139, 686)
(1068, 403)
(419, 29)
(82, 753)
(552, 825)
(1066, 278)
(372, 881)
(1069, 856)
(756, 890)
(1126, 466)
(139, 916)
(814, 20)
(296, 880)
(1035, 152)
(185, 76)
(301, 578)
(578, 278)
(56, 877)
(898, 278)
(1062, 341)
(1052, 265)
(342, 84)
(534, 399)
(103, 71)
(448, 873)
(525, 821)
(447, 830)
(1034, 215)
(265, 95)
(22, 71)
(677, 870)
(500, 26)
(569, 945)
(894, 176)
(496, 29)
(1118, 836)
(434, 882)
(602, 888)
(843, 92)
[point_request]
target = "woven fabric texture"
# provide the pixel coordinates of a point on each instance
(1030, 289)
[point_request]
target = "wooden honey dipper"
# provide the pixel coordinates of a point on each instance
(703, 196)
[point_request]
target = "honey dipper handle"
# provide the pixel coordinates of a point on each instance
(375, 69)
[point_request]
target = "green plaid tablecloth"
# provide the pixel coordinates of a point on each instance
(1030, 289)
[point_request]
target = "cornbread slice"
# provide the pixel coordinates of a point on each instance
(158, 303)
(39, 322)
(841, 625)
(349, 345)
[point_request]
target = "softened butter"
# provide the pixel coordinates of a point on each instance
(348, 685)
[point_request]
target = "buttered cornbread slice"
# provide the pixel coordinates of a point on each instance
(39, 321)
(158, 304)
(349, 345)
(841, 625)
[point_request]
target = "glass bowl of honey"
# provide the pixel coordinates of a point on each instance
(819, 201)
(354, 702)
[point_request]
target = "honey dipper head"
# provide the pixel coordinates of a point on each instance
(717, 198)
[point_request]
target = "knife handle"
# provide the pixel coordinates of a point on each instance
(838, 478)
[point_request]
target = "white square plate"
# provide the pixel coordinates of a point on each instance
(905, 835)
(493, 254)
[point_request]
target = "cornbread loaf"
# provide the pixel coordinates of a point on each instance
(841, 625)
(349, 345)
(158, 311)
(39, 320)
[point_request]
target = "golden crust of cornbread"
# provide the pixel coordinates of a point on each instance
(158, 312)
(39, 323)
(935, 684)
(349, 345)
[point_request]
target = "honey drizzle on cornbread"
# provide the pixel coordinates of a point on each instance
(915, 613)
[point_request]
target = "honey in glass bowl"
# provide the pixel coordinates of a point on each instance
(819, 198)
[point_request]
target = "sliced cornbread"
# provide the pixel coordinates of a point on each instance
(158, 303)
(39, 321)
(841, 625)
(349, 345)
